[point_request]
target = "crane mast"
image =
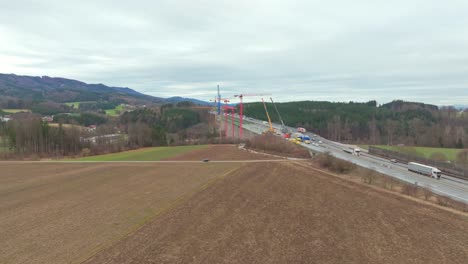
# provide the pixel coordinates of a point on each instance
(283, 126)
(268, 116)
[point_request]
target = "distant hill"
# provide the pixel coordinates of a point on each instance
(400, 105)
(460, 107)
(31, 89)
(178, 99)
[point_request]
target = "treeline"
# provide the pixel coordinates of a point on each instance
(39, 107)
(394, 123)
(32, 136)
(28, 136)
(84, 119)
(148, 127)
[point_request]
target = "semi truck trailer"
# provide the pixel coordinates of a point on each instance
(424, 169)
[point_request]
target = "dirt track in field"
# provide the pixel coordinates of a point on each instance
(281, 213)
(63, 213)
(221, 152)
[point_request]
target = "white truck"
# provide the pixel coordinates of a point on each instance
(354, 151)
(357, 151)
(424, 169)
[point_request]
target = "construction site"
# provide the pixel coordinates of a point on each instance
(230, 119)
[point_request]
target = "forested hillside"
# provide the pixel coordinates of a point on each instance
(46, 92)
(28, 135)
(394, 123)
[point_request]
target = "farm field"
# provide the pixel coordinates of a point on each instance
(68, 126)
(114, 112)
(228, 212)
(75, 105)
(425, 152)
(13, 111)
(285, 213)
(145, 154)
(63, 213)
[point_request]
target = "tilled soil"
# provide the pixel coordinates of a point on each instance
(222, 153)
(283, 213)
(63, 213)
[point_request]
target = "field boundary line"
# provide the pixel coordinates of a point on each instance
(148, 161)
(381, 190)
(171, 205)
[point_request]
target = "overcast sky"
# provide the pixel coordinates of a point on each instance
(297, 50)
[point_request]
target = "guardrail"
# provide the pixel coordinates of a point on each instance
(448, 168)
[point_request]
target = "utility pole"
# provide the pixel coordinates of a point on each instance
(219, 114)
(219, 102)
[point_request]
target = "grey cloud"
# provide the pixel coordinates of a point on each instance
(297, 50)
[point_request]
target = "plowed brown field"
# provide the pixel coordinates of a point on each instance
(267, 212)
(282, 213)
(62, 213)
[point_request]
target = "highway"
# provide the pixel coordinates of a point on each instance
(454, 188)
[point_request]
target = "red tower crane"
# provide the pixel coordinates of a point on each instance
(241, 109)
(226, 101)
(226, 108)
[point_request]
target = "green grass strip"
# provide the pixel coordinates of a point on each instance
(146, 154)
(424, 152)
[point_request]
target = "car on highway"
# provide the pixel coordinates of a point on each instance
(393, 161)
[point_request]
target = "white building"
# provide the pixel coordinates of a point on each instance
(4, 119)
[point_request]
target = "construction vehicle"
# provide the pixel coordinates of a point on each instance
(270, 129)
(294, 140)
(424, 170)
(305, 139)
(301, 138)
(284, 129)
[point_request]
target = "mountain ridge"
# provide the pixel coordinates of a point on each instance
(177, 99)
(62, 90)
